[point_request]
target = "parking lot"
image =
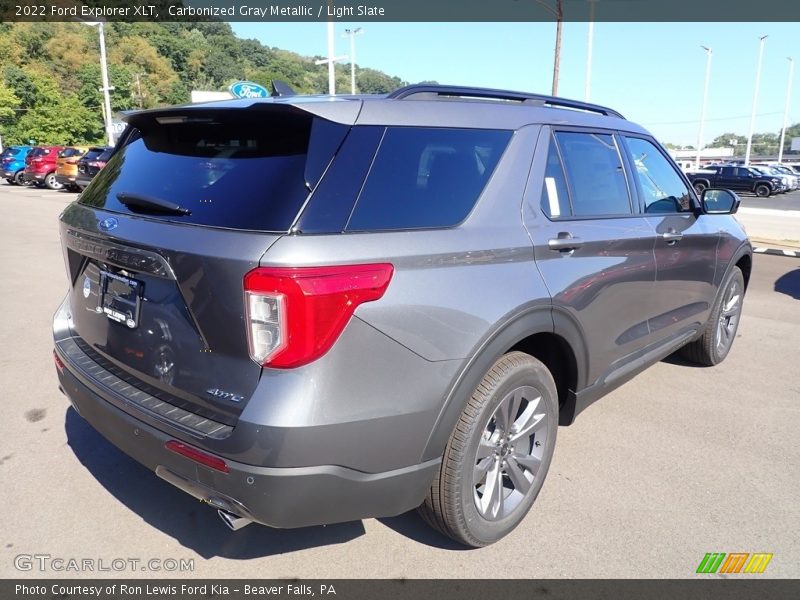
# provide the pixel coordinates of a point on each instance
(677, 463)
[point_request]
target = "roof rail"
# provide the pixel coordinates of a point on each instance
(435, 92)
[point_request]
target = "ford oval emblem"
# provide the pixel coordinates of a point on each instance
(108, 224)
(248, 89)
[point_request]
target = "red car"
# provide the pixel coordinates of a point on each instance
(40, 166)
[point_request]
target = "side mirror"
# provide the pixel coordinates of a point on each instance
(717, 201)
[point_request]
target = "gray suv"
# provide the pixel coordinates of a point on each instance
(309, 310)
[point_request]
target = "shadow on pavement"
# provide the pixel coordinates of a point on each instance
(789, 284)
(412, 526)
(192, 524)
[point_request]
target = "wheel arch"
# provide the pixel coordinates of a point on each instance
(546, 334)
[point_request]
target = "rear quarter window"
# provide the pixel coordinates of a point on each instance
(425, 177)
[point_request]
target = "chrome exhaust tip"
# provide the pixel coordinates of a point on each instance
(234, 522)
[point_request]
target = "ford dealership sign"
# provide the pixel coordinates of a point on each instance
(248, 89)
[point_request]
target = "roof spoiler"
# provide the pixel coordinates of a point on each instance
(281, 88)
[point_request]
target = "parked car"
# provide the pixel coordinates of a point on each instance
(67, 166)
(736, 178)
(90, 163)
(12, 163)
(792, 178)
(785, 180)
(40, 166)
(314, 312)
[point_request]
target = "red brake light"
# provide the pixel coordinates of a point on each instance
(295, 314)
(198, 456)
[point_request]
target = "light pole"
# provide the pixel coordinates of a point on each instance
(104, 73)
(709, 53)
(786, 109)
(330, 61)
(352, 33)
(558, 12)
(755, 101)
(589, 47)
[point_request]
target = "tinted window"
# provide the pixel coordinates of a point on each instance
(660, 186)
(241, 169)
(69, 152)
(10, 152)
(92, 153)
(595, 174)
(426, 177)
(555, 195)
(40, 152)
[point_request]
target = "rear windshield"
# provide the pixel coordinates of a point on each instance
(40, 151)
(10, 152)
(240, 169)
(69, 153)
(93, 153)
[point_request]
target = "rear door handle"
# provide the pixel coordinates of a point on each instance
(671, 237)
(565, 242)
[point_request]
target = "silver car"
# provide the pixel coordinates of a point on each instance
(308, 310)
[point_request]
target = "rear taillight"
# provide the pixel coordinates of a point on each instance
(295, 314)
(198, 456)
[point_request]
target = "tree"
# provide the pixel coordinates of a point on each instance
(8, 104)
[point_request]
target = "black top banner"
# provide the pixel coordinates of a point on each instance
(401, 10)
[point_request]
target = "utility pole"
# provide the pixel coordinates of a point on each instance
(709, 53)
(786, 109)
(104, 73)
(352, 33)
(755, 101)
(558, 13)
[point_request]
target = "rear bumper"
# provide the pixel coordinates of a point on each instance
(278, 497)
(65, 179)
(306, 492)
(35, 175)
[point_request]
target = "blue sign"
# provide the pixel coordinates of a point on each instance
(248, 89)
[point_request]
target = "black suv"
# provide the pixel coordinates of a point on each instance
(308, 310)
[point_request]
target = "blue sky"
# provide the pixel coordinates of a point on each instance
(650, 72)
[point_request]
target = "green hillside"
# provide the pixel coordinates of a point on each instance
(50, 73)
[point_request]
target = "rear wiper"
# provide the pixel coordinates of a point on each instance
(151, 204)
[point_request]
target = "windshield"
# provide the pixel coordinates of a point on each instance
(10, 152)
(70, 152)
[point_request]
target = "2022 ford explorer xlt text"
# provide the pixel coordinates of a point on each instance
(308, 310)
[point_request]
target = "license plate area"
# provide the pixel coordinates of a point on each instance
(120, 298)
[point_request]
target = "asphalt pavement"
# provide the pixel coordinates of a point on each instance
(679, 462)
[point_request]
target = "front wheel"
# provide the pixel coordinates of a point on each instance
(720, 330)
(763, 191)
(498, 455)
(51, 183)
(699, 187)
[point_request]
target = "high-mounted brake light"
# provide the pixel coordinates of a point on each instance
(295, 314)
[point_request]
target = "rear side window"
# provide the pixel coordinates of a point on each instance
(555, 194)
(69, 153)
(425, 177)
(594, 173)
(240, 169)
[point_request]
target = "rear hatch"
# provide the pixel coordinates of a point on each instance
(159, 243)
(91, 154)
(67, 161)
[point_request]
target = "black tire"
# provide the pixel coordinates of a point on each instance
(763, 190)
(452, 505)
(720, 330)
(10, 181)
(19, 178)
(700, 187)
(51, 183)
